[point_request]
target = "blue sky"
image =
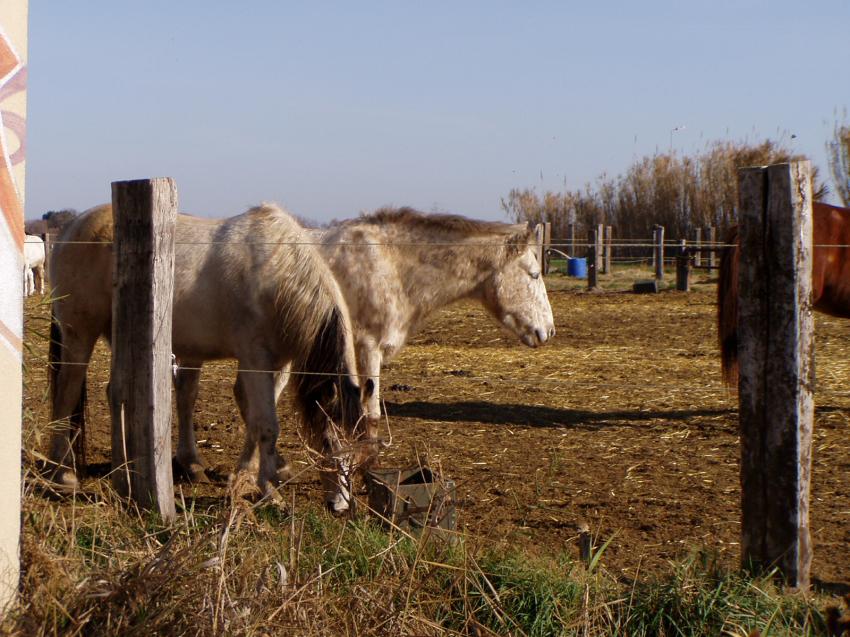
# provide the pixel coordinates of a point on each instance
(331, 108)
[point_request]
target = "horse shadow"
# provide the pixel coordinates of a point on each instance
(539, 416)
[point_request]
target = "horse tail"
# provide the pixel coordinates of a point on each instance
(78, 415)
(727, 309)
(325, 388)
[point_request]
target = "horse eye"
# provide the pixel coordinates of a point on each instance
(535, 275)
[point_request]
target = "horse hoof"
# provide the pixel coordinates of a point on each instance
(283, 475)
(272, 494)
(64, 480)
(196, 473)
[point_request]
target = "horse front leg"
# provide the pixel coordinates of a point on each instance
(254, 394)
(369, 359)
(186, 388)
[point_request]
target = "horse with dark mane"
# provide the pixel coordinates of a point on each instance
(830, 279)
(250, 288)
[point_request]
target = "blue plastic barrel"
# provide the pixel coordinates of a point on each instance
(577, 268)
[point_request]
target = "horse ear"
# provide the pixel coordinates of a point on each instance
(518, 243)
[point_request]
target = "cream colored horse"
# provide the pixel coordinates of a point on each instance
(33, 265)
(397, 267)
(248, 288)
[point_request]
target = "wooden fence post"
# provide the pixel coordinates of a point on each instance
(547, 243)
(711, 237)
(698, 246)
(683, 268)
(776, 354)
(538, 234)
(592, 260)
(658, 233)
(144, 213)
(600, 234)
(606, 258)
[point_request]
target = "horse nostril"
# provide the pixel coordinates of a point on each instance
(541, 335)
(552, 332)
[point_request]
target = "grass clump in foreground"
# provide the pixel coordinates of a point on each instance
(231, 568)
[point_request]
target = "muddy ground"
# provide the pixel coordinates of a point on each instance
(621, 422)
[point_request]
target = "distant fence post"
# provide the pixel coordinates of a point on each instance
(776, 353)
(698, 246)
(599, 234)
(592, 261)
(711, 237)
(683, 268)
(541, 249)
(49, 242)
(606, 258)
(547, 243)
(144, 213)
(658, 241)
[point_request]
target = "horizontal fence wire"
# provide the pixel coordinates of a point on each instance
(714, 388)
(639, 243)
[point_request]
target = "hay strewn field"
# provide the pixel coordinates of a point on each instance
(621, 422)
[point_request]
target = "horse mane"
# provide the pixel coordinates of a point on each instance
(415, 220)
(515, 237)
(309, 303)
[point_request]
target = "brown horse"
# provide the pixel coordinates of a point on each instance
(830, 279)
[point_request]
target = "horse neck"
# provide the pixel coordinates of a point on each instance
(453, 269)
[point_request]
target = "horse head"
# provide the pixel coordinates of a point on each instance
(515, 294)
(333, 414)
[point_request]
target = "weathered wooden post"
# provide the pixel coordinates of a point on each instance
(144, 213)
(711, 236)
(600, 234)
(683, 268)
(538, 235)
(698, 247)
(547, 243)
(776, 355)
(658, 240)
(592, 260)
(606, 251)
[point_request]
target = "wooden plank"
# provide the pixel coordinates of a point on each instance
(658, 236)
(538, 235)
(683, 268)
(606, 259)
(144, 213)
(711, 236)
(698, 246)
(600, 234)
(592, 261)
(547, 243)
(776, 356)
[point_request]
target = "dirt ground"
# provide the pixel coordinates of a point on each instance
(620, 422)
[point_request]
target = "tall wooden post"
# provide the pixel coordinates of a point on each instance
(776, 354)
(606, 251)
(683, 268)
(698, 246)
(144, 213)
(592, 260)
(658, 236)
(711, 236)
(538, 235)
(547, 243)
(600, 234)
